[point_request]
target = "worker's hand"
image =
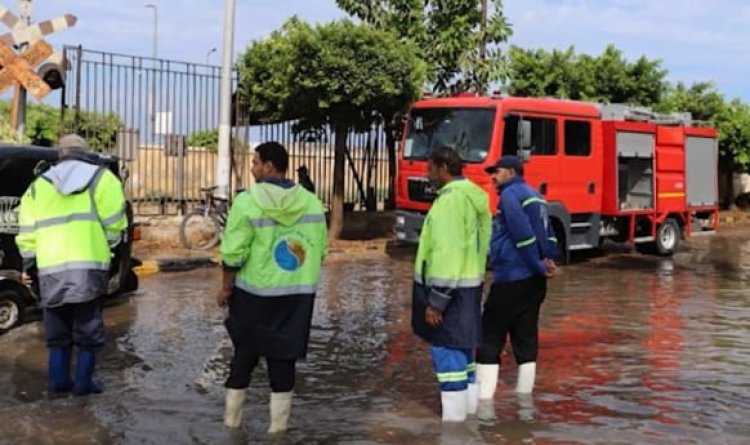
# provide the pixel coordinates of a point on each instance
(550, 265)
(26, 280)
(433, 316)
(222, 298)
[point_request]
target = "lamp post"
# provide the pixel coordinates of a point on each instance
(208, 55)
(156, 24)
(223, 164)
(153, 55)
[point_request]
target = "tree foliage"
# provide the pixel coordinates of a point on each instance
(43, 125)
(208, 139)
(459, 53)
(335, 74)
(608, 77)
(708, 106)
(344, 75)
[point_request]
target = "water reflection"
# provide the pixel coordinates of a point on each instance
(633, 349)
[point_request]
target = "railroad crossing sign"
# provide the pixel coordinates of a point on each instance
(21, 69)
(22, 33)
(20, 30)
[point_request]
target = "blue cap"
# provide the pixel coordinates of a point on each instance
(509, 162)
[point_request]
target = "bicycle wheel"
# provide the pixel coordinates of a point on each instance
(200, 231)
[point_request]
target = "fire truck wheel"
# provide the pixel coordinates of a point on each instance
(668, 237)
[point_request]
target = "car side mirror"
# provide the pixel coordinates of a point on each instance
(41, 167)
(124, 173)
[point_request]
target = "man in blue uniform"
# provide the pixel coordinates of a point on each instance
(522, 249)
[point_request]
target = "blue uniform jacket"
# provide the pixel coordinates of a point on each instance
(521, 234)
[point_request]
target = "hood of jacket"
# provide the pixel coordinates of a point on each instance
(71, 176)
(285, 205)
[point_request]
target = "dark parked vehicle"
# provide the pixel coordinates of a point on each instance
(19, 166)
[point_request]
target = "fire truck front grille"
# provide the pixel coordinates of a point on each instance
(420, 190)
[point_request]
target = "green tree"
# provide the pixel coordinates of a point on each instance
(460, 53)
(43, 126)
(99, 129)
(608, 77)
(341, 74)
(701, 99)
(208, 139)
(7, 133)
(733, 123)
(538, 73)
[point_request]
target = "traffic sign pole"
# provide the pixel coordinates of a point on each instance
(25, 8)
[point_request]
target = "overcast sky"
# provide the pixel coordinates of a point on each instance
(696, 39)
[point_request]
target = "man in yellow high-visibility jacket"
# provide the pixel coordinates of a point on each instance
(69, 217)
(448, 278)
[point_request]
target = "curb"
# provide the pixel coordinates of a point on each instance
(733, 220)
(152, 267)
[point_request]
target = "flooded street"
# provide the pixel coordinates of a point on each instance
(634, 350)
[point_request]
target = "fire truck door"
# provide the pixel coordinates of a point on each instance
(580, 167)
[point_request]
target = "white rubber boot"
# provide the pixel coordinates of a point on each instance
(472, 397)
(526, 377)
(454, 405)
(526, 410)
(233, 407)
(487, 379)
(486, 411)
(280, 408)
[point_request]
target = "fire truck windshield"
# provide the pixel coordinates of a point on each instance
(466, 130)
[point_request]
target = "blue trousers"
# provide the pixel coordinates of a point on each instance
(78, 324)
(455, 368)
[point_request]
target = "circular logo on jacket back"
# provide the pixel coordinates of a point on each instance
(289, 254)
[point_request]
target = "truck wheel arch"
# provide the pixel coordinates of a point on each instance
(560, 220)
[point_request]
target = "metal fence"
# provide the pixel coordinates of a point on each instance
(161, 118)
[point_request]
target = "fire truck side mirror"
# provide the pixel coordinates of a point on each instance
(524, 154)
(524, 134)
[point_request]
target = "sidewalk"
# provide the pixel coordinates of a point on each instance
(365, 235)
(733, 218)
(160, 250)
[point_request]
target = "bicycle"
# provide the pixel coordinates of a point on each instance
(202, 227)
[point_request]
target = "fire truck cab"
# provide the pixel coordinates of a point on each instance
(607, 171)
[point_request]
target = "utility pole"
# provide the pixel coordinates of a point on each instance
(154, 62)
(223, 165)
(156, 26)
(25, 9)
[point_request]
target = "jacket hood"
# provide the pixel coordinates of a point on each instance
(475, 194)
(71, 176)
(284, 205)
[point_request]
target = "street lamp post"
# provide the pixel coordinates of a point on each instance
(223, 164)
(208, 55)
(156, 23)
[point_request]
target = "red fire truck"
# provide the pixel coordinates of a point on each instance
(608, 171)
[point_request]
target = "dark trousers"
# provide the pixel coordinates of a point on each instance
(512, 308)
(280, 372)
(79, 324)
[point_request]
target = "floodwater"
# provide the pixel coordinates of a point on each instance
(634, 350)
